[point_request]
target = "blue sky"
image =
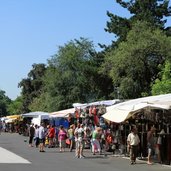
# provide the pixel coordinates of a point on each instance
(31, 31)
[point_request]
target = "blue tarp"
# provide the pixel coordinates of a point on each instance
(60, 121)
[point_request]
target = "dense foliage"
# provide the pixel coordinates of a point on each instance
(134, 65)
(72, 76)
(4, 102)
(31, 86)
(162, 84)
(141, 45)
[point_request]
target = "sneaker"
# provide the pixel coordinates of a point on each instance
(82, 157)
(149, 163)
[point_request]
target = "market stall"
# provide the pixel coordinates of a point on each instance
(145, 112)
(61, 117)
(36, 117)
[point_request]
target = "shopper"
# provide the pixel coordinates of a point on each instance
(36, 136)
(62, 136)
(31, 134)
(96, 140)
(150, 144)
(133, 143)
(79, 140)
(51, 135)
(71, 137)
(42, 134)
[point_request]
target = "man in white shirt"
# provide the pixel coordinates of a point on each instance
(133, 142)
(41, 137)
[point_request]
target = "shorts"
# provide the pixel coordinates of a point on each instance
(151, 150)
(62, 143)
(42, 140)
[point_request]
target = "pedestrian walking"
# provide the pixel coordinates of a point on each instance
(51, 136)
(79, 140)
(36, 136)
(62, 136)
(31, 134)
(150, 144)
(71, 137)
(96, 140)
(42, 135)
(133, 143)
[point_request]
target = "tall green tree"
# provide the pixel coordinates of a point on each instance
(4, 102)
(134, 64)
(125, 73)
(75, 69)
(152, 11)
(162, 85)
(72, 76)
(48, 100)
(32, 85)
(15, 106)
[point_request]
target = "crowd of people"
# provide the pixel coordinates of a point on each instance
(76, 137)
(88, 129)
(99, 140)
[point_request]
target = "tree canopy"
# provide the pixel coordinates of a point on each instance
(141, 45)
(152, 11)
(134, 64)
(4, 102)
(31, 86)
(72, 76)
(162, 84)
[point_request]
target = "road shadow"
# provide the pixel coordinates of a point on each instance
(97, 157)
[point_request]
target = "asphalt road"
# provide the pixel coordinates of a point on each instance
(52, 160)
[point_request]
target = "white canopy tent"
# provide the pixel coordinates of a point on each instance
(80, 105)
(122, 111)
(9, 120)
(62, 113)
(36, 114)
(3, 119)
(37, 117)
(98, 103)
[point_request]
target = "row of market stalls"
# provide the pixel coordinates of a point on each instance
(11, 118)
(116, 111)
(120, 116)
(61, 117)
(57, 118)
(143, 113)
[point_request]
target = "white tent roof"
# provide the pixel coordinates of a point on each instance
(80, 105)
(62, 113)
(104, 102)
(122, 111)
(3, 118)
(35, 114)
